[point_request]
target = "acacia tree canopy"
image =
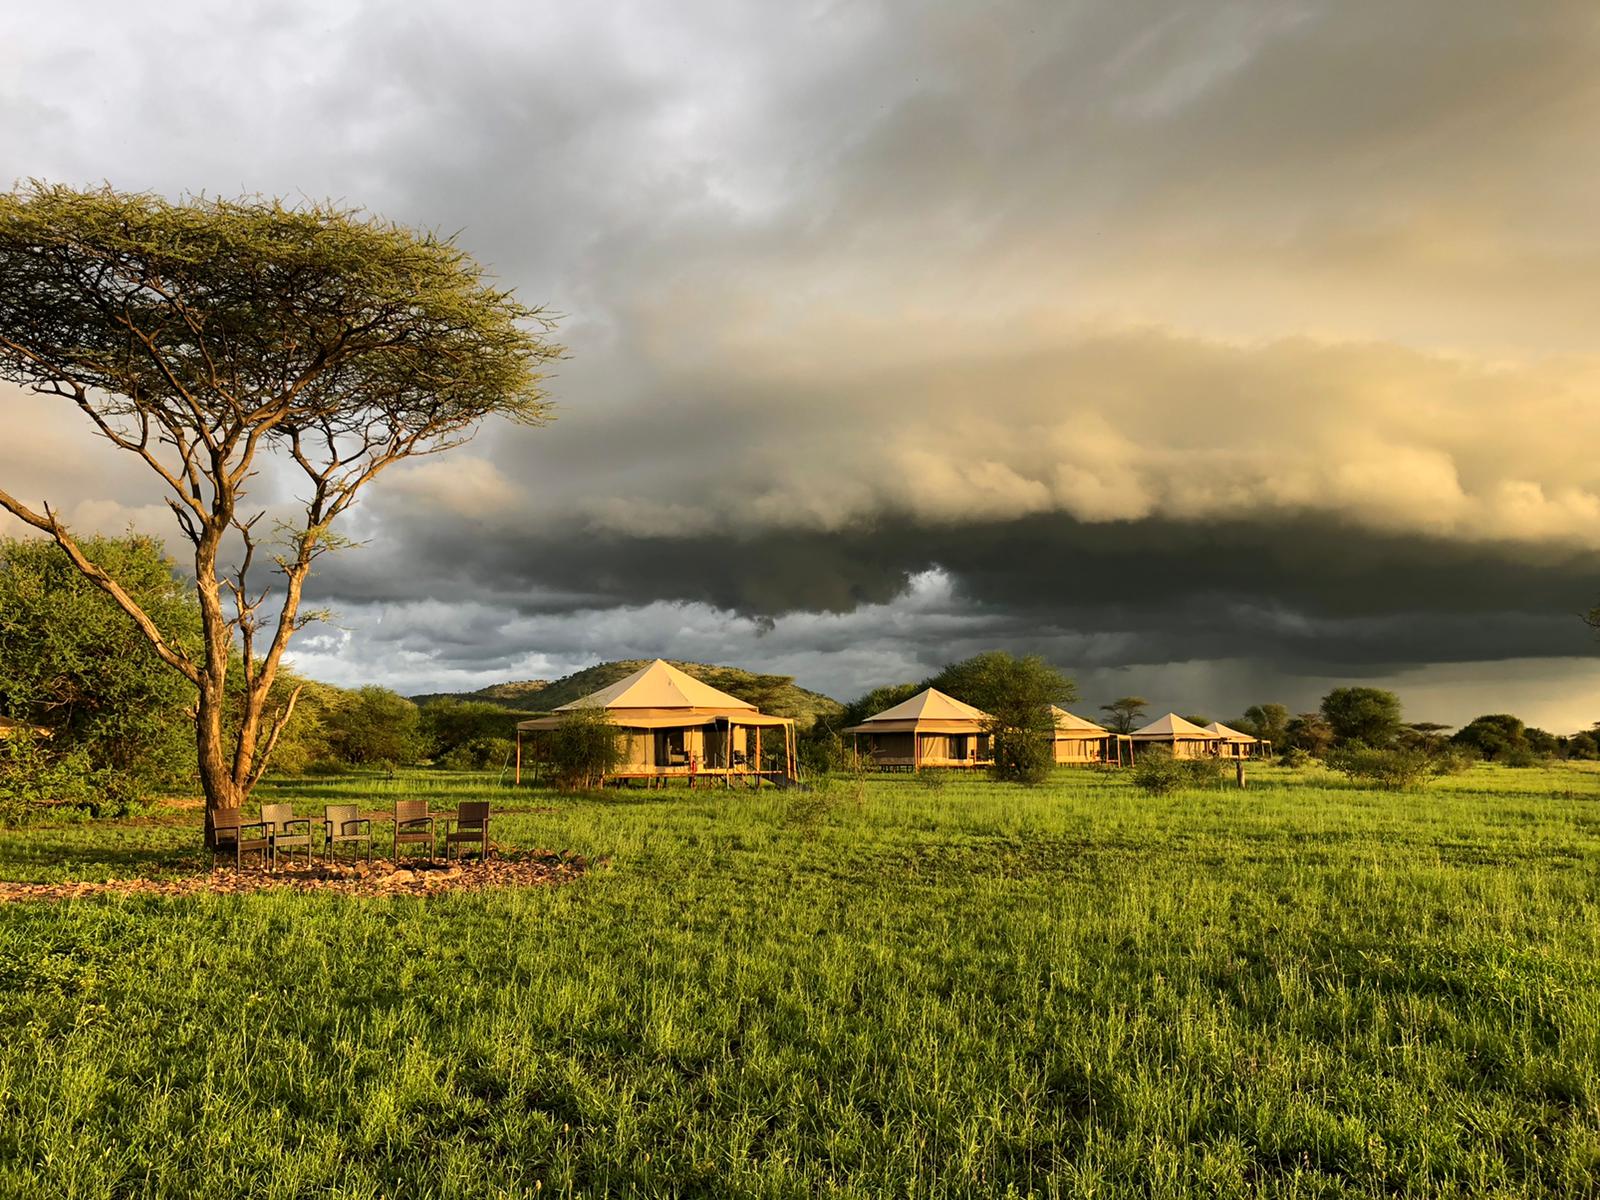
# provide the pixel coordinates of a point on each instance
(205, 336)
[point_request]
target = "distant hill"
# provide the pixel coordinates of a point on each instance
(778, 695)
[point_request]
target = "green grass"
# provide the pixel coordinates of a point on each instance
(1303, 989)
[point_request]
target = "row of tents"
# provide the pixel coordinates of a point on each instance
(935, 730)
(675, 725)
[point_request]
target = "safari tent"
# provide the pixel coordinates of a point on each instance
(676, 726)
(1184, 738)
(1235, 744)
(928, 730)
(1081, 741)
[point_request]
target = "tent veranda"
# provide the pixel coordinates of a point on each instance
(675, 726)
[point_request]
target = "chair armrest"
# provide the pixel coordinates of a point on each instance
(239, 829)
(428, 821)
(346, 826)
(287, 825)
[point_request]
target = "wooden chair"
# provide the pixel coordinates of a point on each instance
(281, 823)
(413, 825)
(342, 824)
(471, 825)
(230, 831)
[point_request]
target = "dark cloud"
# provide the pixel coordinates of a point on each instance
(1236, 346)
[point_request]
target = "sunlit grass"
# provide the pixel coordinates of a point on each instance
(1300, 989)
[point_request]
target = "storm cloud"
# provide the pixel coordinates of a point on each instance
(1216, 351)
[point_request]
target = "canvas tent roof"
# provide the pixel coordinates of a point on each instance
(929, 709)
(660, 685)
(1072, 723)
(1173, 726)
(1229, 734)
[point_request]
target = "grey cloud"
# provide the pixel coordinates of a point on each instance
(1226, 342)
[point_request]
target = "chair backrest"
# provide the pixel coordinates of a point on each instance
(337, 814)
(274, 815)
(227, 820)
(472, 812)
(410, 810)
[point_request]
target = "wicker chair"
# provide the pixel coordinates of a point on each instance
(281, 824)
(230, 831)
(413, 825)
(343, 824)
(471, 826)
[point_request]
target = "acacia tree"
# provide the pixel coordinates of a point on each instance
(209, 337)
(1125, 714)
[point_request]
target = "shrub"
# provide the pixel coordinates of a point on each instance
(583, 748)
(35, 778)
(1392, 770)
(1024, 756)
(1156, 772)
(821, 751)
(478, 754)
(72, 660)
(1203, 772)
(1296, 756)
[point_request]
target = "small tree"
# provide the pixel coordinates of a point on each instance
(1583, 746)
(467, 734)
(1362, 716)
(1269, 722)
(584, 748)
(1423, 735)
(1309, 733)
(1495, 736)
(1124, 715)
(1017, 694)
(373, 725)
(204, 338)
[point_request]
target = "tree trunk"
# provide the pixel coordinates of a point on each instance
(216, 779)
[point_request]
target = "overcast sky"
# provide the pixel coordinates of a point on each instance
(1219, 352)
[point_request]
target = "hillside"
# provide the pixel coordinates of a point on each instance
(775, 694)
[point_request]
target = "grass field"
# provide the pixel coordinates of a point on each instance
(1303, 989)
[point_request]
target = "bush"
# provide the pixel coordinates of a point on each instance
(1392, 770)
(1296, 756)
(1203, 772)
(1024, 756)
(584, 748)
(821, 751)
(34, 779)
(478, 754)
(1156, 772)
(72, 660)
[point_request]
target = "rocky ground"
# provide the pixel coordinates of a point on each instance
(381, 877)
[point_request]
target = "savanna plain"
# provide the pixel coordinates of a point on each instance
(881, 987)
